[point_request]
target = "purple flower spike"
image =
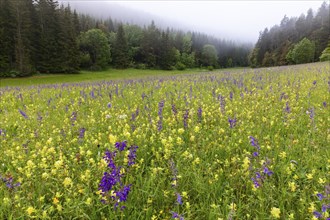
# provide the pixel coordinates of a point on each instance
(179, 198)
(177, 216)
(82, 133)
(132, 155)
(267, 171)
(320, 196)
(123, 193)
(121, 145)
(232, 122)
(317, 214)
(23, 114)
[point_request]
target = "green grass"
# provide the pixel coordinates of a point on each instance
(110, 74)
(53, 139)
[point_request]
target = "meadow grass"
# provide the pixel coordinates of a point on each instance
(241, 144)
(109, 74)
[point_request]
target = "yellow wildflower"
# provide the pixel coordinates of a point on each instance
(30, 210)
(275, 212)
(67, 182)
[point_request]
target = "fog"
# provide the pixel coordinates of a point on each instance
(233, 20)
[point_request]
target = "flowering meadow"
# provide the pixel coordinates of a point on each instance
(244, 144)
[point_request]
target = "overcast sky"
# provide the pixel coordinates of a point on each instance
(237, 20)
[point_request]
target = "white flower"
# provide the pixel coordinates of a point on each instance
(122, 116)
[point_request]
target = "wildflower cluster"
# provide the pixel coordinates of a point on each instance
(259, 173)
(9, 181)
(111, 185)
(325, 198)
(174, 185)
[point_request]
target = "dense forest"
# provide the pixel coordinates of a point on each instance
(41, 36)
(296, 40)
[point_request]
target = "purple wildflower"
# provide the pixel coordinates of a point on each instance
(324, 104)
(174, 110)
(160, 114)
(222, 103)
(73, 118)
(109, 105)
(317, 214)
(107, 182)
(123, 193)
(174, 173)
(185, 118)
(199, 114)
(255, 182)
(82, 133)
(232, 122)
(121, 145)
(179, 198)
(132, 155)
(287, 107)
(92, 94)
(320, 196)
(311, 113)
(325, 207)
(267, 171)
(177, 216)
(109, 157)
(231, 96)
(10, 182)
(23, 114)
(254, 143)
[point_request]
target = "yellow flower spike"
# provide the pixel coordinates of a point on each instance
(309, 176)
(311, 207)
(275, 212)
(112, 139)
(214, 206)
(6, 201)
(192, 138)
(30, 210)
(67, 182)
(283, 154)
(55, 201)
(88, 201)
(232, 206)
(321, 181)
(291, 216)
(59, 207)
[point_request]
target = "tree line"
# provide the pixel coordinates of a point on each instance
(296, 40)
(43, 36)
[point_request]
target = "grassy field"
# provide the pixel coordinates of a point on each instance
(239, 144)
(110, 74)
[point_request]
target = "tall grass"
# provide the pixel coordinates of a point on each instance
(244, 144)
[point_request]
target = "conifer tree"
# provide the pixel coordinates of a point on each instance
(7, 31)
(120, 49)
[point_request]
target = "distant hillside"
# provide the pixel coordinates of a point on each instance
(104, 10)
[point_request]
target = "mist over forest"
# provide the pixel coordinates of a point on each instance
(48, 36)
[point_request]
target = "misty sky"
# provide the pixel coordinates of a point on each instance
(236, 20)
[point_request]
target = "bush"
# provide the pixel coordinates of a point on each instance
(141, 66)
(180, 66)
(210, 68)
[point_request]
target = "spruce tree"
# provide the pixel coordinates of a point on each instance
(23, 35)
(7, 32)
(120, 49)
